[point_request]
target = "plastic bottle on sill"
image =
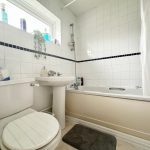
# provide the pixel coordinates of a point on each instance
(23, 25)
(46, 36)
(3, 14)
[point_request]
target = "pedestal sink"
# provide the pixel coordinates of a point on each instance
(58, 84)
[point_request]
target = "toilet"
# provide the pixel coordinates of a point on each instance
(21, 127)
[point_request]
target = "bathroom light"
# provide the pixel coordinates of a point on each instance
(67, 5)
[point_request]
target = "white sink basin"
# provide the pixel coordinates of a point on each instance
(55, 81)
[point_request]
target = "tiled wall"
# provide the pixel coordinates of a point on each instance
(112, 28)
(23, 64)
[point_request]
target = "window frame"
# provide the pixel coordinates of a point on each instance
(37, 10)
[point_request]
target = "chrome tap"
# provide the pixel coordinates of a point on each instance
(59, 74)
(138, 87)
(54, 73)
(51, 73)
(75, 86)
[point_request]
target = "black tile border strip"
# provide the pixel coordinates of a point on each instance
(34, 51)
(55, 56)
(110, 57)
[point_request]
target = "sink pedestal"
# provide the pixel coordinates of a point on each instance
(59, 104)
(58, 84)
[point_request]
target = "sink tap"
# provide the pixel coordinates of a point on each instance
(51, 73)
(59, 74)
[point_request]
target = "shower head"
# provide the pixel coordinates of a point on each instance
(70, 3)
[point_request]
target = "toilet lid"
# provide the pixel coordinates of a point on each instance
(30, 132)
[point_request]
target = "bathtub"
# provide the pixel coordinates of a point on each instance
(122, 110)
(133, 94)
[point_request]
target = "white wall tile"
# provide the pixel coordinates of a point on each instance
(2, 63)
(2, 52)
(1, 31)
(13, 66)
(12, 54)
(26, 68)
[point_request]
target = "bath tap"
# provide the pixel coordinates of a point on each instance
(138, 87)
(75, 86)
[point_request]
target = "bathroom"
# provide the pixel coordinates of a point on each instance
(80, 64)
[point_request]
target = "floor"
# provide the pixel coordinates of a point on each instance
(121, 145)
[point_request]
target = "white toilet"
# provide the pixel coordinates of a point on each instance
(22, 128)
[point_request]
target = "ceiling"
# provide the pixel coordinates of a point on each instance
(81, 6)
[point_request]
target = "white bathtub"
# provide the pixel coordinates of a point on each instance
(133, 94)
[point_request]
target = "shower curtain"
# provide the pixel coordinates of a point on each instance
(145, 46)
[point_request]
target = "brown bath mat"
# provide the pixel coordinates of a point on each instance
(84, 138)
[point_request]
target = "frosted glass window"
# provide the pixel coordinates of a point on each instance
(32, 23)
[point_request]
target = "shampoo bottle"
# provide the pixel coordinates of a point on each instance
(3, 14)
(23, 25)
(46, 36)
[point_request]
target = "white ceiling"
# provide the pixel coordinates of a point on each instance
(81, 6)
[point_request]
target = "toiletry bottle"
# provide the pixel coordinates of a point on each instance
(46, 36)
(23, 25)
(4, 74)
(44, 72)
(3, 14)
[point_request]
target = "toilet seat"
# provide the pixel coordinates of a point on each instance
(30, 132)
